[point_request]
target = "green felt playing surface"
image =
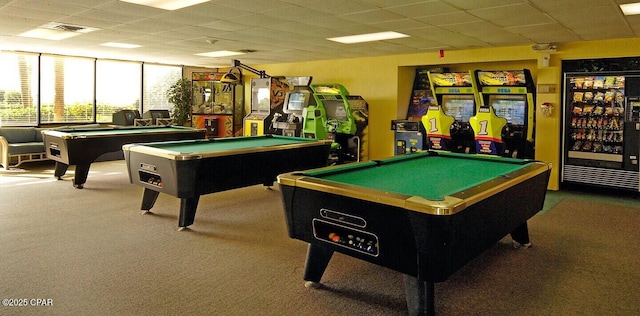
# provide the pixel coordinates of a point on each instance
(430, 177)
(222, 144)
(108, 131)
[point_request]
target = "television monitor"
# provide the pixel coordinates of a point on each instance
(512, 107)
(335, 109)
(125, 117)
(461, 107)
(295, 102)
(156, 114)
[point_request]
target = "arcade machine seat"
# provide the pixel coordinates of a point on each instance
(488, 129)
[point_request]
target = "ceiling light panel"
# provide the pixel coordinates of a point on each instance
(220, 53)
(630, 8)
(367, 37)
(47, 34)
(120, 45)
(167, 4)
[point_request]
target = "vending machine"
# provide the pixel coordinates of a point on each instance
(602, 129)
(510, 95)
(447, 119)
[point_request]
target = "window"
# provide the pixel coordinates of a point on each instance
(155, 83)
(40, 89)
(67, 89)
(18, 89)
(118, 87)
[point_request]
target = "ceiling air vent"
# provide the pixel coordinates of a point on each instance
(68, 27)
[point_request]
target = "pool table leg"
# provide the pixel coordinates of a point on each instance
(521, 234)
(420, 296)
(318, 258)
(149, 198)
(61, 169)
(188, 208)
(82, 171)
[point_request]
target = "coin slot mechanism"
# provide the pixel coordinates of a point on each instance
(346, 237)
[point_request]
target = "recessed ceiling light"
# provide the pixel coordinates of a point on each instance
(371, 37)
(53, 35)
(120, 45)
(220, 53)
(167, 4)
(630, 8)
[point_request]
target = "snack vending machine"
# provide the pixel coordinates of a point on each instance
(602, 129)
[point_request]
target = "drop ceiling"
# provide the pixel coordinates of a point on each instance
(283, 31)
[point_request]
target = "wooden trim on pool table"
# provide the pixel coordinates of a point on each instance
(174, 155)
(449, 205)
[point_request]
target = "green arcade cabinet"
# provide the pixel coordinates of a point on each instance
(510, 95)
(447, 120)
(332, 118)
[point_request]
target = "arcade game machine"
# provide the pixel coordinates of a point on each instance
(409, 133)
(217, 106)
(295, 101)
(447, 120)
(267, 98)
(332, 118)
(511, 96)
(408, 136)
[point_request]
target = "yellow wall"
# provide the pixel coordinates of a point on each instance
(386, 82)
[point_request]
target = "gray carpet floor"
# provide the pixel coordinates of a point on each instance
(91, 252)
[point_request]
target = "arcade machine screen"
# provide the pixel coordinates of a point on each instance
(461, 107)
(512, 108)
(335, 109)
(295, 101)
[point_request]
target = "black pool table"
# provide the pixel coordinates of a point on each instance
(425, 215)
(83, 145)
(189, 169)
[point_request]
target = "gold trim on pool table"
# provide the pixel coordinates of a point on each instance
(449, 205)
(69, 134)
(174, 155)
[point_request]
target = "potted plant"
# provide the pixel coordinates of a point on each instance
(180, 95)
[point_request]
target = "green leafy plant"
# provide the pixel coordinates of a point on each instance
(179, 94)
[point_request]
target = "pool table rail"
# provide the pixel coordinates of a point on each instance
(163, 149)
(449, 204)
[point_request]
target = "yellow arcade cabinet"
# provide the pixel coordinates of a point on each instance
(447, 120)
(267, 98)
(510, 95)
